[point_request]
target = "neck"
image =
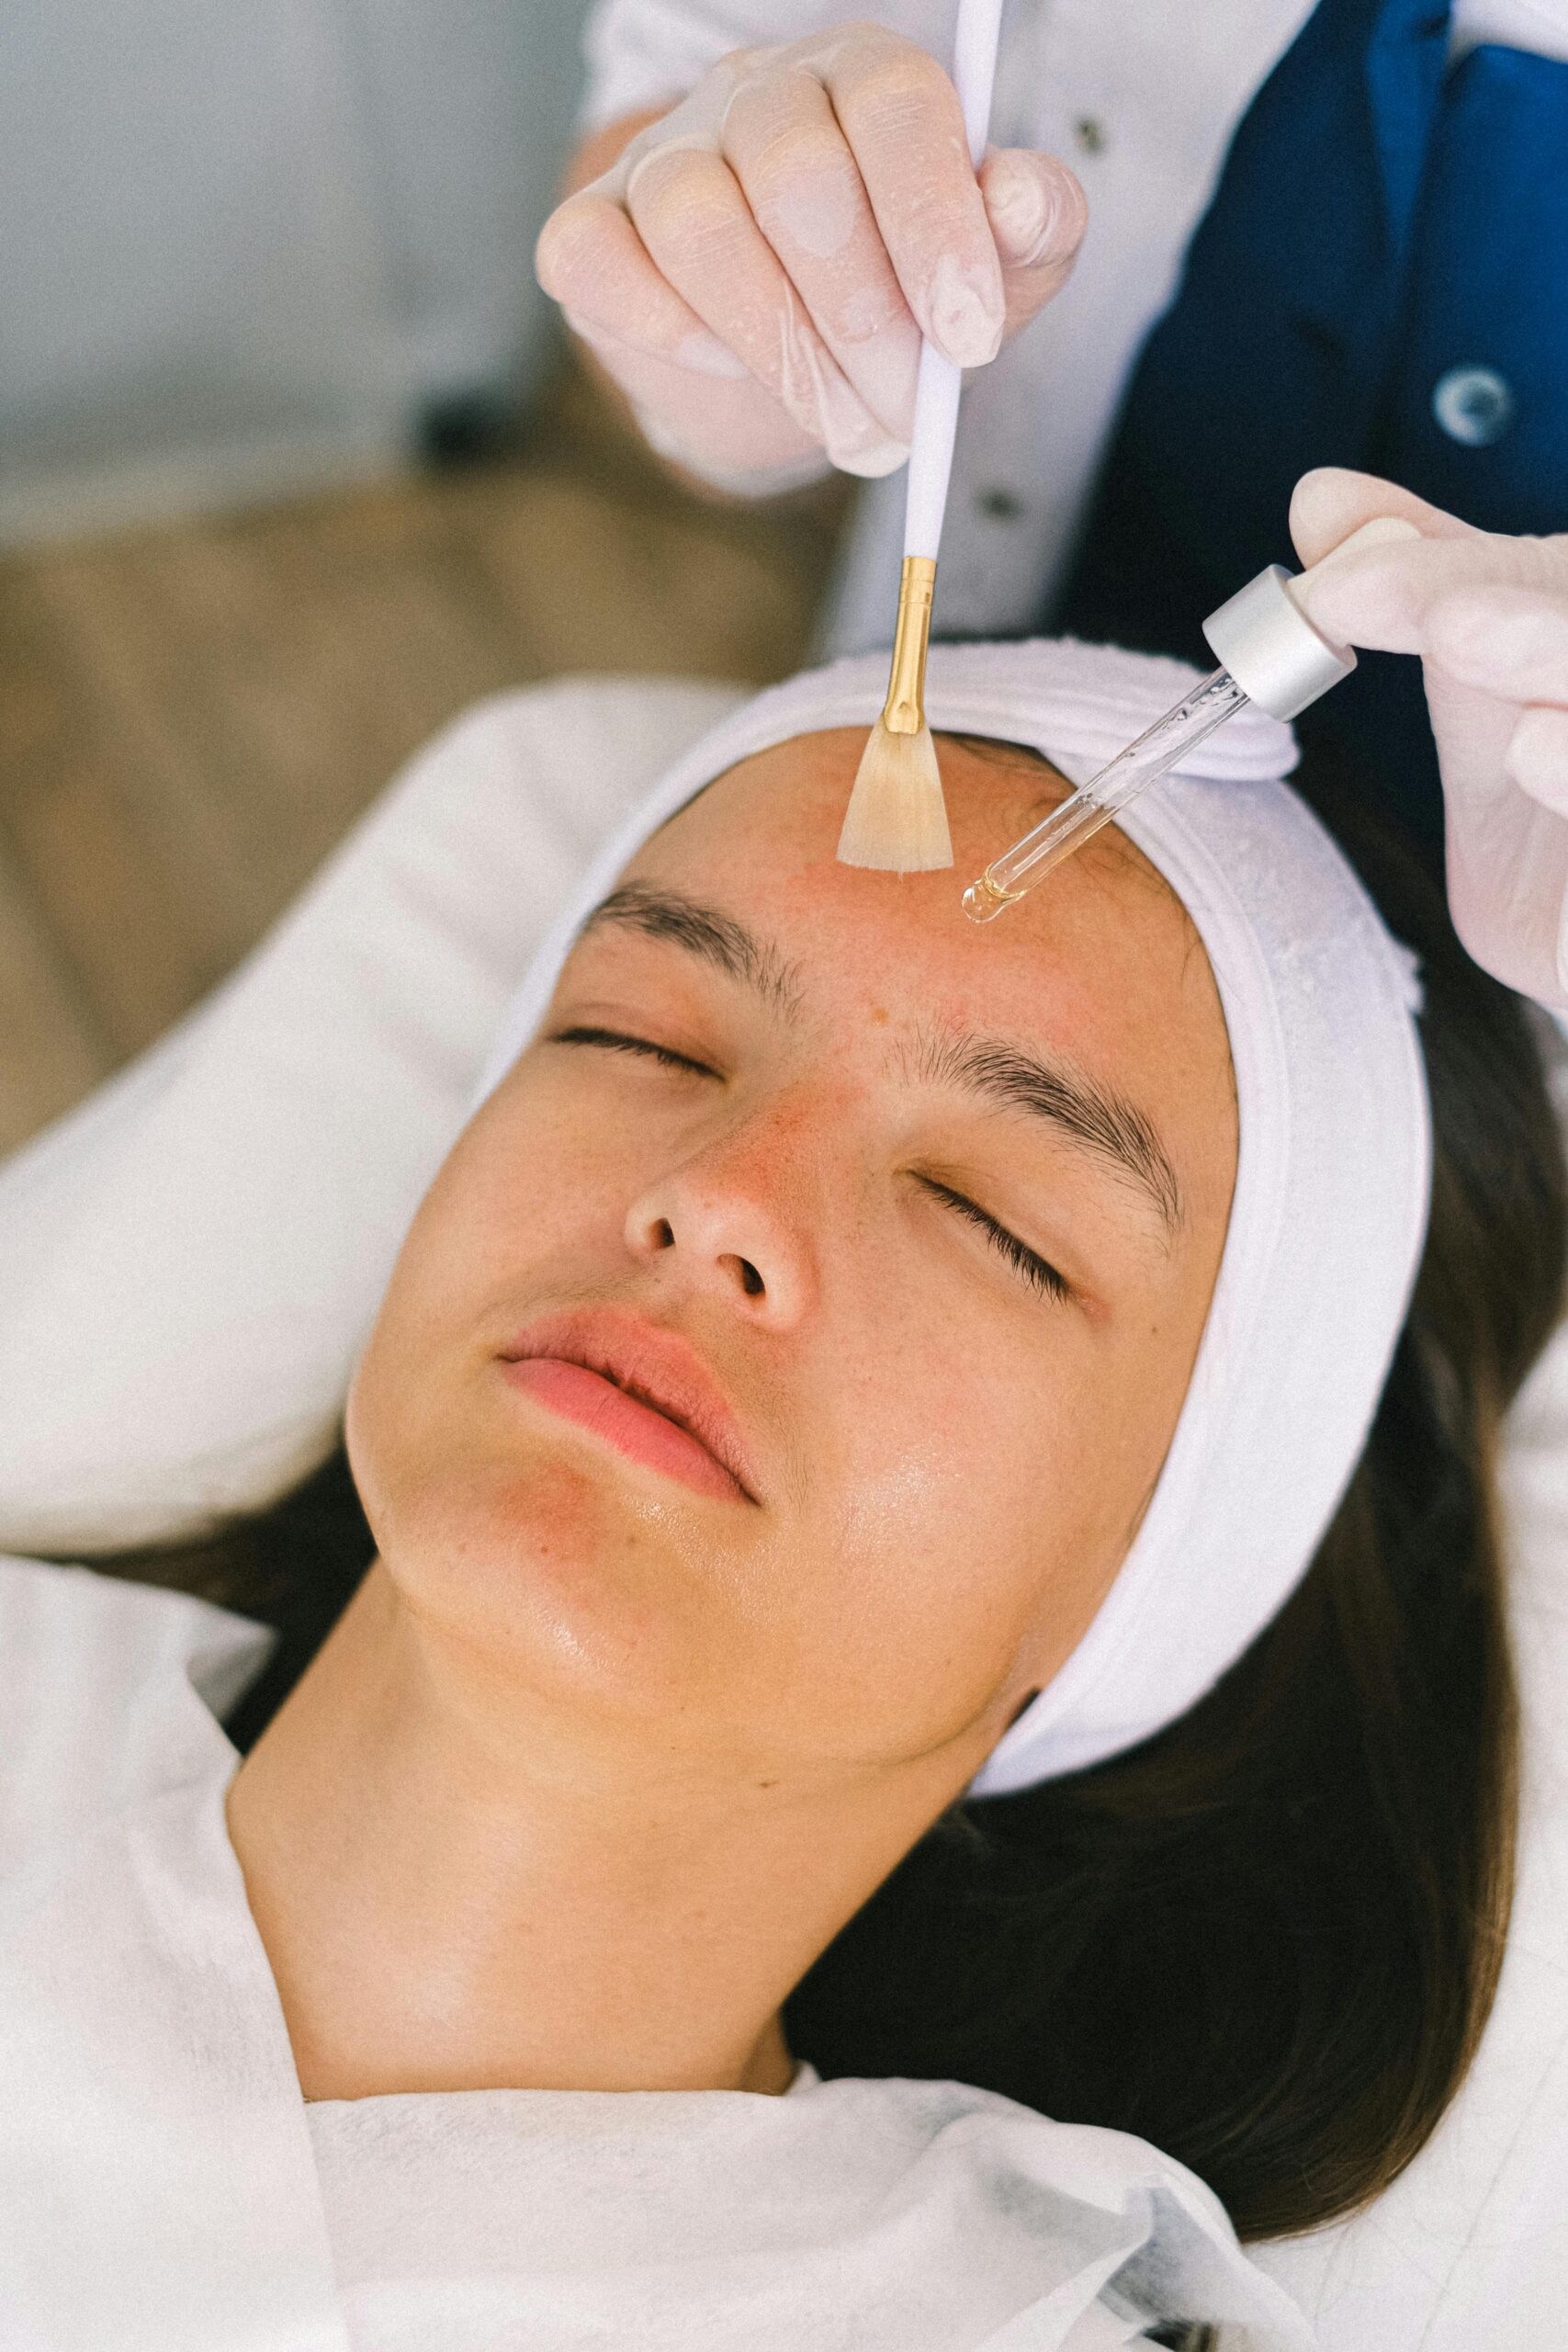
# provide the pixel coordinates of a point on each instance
(458, 1897)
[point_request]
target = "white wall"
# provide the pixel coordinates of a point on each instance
(242, 245)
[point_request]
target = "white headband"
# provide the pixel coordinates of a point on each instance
(1329, 1210)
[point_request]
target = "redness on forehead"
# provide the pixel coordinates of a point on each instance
(1098, 962)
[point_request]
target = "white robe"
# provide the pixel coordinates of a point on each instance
(160, 2190)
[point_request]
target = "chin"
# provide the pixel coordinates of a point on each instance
(566, 1580)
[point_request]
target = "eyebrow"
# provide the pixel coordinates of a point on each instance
(1092, 1115)
(705, 932)
(998, 1071)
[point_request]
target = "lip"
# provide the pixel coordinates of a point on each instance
(642, 1389)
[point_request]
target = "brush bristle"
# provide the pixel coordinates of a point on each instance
(896, 819)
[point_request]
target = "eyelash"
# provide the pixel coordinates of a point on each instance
(620, 1041)
(1037, 1271)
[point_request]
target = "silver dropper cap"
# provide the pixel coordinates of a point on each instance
(1278, 658)
(1272, 650)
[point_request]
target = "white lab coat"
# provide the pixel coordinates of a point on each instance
(159, 2187)
(1141, 101)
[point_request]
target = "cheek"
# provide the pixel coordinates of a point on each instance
(491, 1527)
(979, 1514)
(549, 1171)
(529, 1182)
(409, 1419)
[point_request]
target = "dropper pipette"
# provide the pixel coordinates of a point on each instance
(1270, 654)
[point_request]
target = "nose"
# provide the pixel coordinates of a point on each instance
(730, 1222)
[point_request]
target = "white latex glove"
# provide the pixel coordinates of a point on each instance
(1488, 615)
(758, 266)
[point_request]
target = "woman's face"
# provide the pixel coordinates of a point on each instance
(910, 1228)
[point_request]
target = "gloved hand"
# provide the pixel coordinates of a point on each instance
(1489, 616)
(757, 267)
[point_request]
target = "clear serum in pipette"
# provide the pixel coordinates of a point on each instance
(1094, 804)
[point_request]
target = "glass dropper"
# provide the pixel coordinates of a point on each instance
(1094, 804)
(1272, 655)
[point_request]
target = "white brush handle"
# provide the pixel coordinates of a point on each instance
(936, 394)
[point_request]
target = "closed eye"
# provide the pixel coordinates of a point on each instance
(1037, 1271)
(620, 1041)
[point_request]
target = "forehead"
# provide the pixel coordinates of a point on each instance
(1101, 962)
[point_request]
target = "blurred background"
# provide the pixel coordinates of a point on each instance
(293, 465)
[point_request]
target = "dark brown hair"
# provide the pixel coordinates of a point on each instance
(1267, 1939)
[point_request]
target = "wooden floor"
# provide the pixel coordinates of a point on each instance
(191, 715)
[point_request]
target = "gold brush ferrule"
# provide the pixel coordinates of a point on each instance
(904, 712)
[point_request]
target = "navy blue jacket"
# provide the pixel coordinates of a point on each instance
(1380, 281)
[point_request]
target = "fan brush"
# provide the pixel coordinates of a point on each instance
(896, 819)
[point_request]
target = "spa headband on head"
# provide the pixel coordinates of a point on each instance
(1333, 1171)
